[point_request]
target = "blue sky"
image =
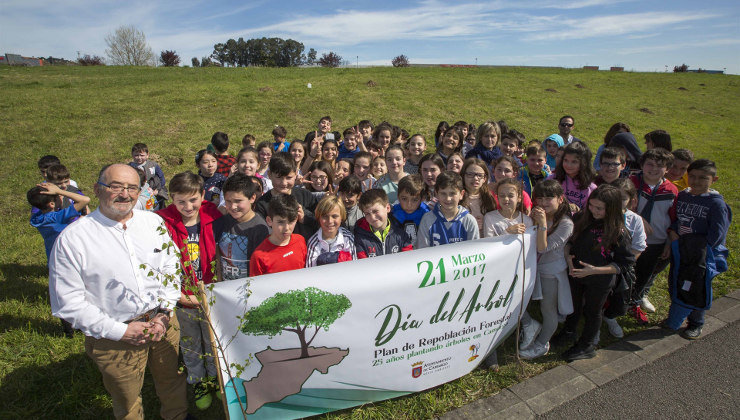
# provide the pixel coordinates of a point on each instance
(638, 35)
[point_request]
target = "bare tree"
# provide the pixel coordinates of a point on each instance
(127, 47)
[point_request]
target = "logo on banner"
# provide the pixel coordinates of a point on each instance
(416, 369)
(473, 352)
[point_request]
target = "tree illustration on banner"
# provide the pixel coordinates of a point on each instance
(296, 311)
(284, 371)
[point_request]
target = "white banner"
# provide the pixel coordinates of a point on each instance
(336, 336)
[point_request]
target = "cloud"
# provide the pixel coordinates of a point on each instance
(430, 19)
(232, 12)
(644, 36)
(599, 26)
(721, 42)
(590, 3)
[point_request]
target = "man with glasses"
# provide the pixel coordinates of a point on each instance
(565, 126)
(107, 275)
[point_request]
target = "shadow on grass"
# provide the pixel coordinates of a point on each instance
(42, 326)
(21, 282)
(72, 388)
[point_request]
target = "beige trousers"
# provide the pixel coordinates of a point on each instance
(122, 366)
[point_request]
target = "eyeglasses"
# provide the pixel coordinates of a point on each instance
(566, 125)
(611, 164)
(319, 178)
(475, 175)
(118, 188)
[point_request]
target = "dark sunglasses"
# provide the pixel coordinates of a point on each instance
(566, 125)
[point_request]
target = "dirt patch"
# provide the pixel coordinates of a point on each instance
(646, 110)
(580, 86)
(265, 89)
(371, 83)
(551, 90)
(702, 84)
(173, 160)
(682, 88)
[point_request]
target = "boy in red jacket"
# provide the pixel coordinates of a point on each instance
(189, 220)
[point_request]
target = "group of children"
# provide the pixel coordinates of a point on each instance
(374, 190)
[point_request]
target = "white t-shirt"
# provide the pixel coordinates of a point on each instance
(494, 224)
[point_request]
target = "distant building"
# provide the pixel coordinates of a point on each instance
(17, 60)
(616, 68)
(590, 67)
(58, 61)
(706, 71)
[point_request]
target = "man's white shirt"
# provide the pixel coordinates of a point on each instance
(95, 279)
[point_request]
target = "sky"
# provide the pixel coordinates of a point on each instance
(637, 35)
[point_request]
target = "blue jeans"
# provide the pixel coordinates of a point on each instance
(676, 315)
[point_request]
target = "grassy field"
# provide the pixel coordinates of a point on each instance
(91, 116)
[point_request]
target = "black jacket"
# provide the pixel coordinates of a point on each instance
(368, 245)
(306, 200)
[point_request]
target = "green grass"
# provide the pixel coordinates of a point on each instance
(91, 116)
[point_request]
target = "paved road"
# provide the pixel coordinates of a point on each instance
(701, 380)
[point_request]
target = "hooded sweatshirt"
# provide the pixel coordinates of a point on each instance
(207, 245)
(435, 229)
(550, 158)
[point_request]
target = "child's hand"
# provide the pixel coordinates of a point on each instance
(666, 251)
(574, 208)
(315, 146)
(539, 217)
(648, 228)
(306, 180)
(516, 229)
(301, 215)
(232, 171)
(49, 189)
(587, 270)
(569, 261)
(672, 235)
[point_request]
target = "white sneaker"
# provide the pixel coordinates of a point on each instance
(614, 328)
(529, 334)
(534, 351)
(647, 306)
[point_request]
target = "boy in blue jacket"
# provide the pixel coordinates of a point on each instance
(699, 252)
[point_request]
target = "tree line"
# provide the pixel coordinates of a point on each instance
(127, 45)
(261, 52)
